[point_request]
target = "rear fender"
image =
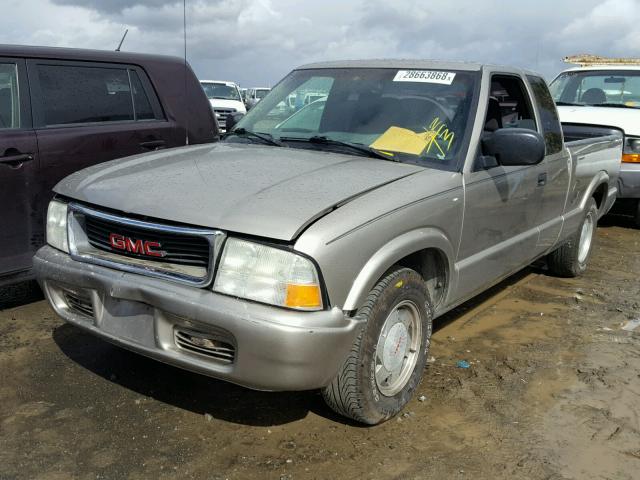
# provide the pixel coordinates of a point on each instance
(600, 178)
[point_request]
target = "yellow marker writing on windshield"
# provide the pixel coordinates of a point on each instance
(438, 130)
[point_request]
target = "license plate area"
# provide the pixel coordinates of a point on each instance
(127, 319)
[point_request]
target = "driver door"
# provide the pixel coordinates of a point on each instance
(501, 202)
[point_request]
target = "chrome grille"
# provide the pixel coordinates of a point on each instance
(224, 111)
(222, 114)
(180, 249)
(79, 302)
(182, 254)
(212, 345)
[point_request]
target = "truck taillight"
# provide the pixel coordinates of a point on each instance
(631, 158)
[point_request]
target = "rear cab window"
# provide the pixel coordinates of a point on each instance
(548, 115)
(77, 93)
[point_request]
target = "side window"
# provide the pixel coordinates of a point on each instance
(509, 105)
(548, 115)
(9, 96)
(143, 108)
(78, 94)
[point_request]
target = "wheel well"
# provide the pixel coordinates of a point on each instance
(432, 265)
(599, 194)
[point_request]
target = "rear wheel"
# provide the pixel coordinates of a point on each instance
(386, 362)
(570, 260)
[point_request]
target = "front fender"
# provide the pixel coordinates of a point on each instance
(392, 252)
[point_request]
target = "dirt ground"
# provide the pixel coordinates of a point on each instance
(552, 392)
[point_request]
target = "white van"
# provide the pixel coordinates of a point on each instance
(224, 98)
(254, 95)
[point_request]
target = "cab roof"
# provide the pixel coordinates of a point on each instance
(395, 63)
(416, 64)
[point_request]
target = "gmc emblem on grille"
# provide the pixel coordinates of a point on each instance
(141, 247)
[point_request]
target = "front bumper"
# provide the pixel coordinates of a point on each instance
(274, 348)
(629, 181)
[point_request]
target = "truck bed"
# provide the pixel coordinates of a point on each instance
(596, 151)
(574, 132)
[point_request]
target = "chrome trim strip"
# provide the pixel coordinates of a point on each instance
(77, 238)
(141, 223)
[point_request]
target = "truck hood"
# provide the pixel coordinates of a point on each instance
(627, 119)
(221, 103)
(256, 190)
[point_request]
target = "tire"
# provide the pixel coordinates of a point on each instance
(362, 390)
(636, 217)
(570, 260)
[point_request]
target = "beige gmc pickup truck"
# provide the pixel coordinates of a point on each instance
(314, 246)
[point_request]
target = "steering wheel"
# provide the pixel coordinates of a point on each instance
(444, 117)
(419, 116)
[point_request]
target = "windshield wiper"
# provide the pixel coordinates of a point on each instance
(265, 137)
(358, 147)
(569, 104)
(614, 105)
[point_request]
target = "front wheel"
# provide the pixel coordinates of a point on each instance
(386, 362)
(570, 260)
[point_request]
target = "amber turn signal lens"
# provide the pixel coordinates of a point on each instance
(631, 158)
(303, 296)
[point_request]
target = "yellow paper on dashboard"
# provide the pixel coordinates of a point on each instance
(402, 140)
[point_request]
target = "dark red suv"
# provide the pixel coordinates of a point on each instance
(65, 109)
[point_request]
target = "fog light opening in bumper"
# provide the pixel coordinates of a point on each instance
(215, 346)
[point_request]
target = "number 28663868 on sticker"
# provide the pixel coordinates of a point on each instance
(425, 76)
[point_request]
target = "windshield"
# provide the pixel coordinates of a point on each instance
(598, 87)
(261, 93)
(220, 91)
(410, 115)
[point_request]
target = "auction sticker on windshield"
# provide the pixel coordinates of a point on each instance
(425, 76)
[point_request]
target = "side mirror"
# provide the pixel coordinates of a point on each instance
(514, 146)
(233, 119)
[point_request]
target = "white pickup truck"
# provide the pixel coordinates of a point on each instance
(225, 100)
(607, 95)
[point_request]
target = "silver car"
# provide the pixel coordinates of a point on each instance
(314, 247)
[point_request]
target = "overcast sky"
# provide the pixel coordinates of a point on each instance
(256, 42)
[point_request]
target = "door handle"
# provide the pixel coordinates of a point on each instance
(542, 179)
(153, 144)
(15, 161)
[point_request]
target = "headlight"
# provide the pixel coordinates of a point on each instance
(271, 275)
(57, 225)
(631, 152)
